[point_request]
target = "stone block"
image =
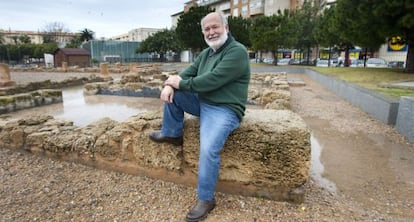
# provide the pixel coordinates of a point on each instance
(5, 80)
(267, 156)
(270, 151)
(104, 69)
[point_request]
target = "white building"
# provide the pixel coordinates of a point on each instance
(136, 35)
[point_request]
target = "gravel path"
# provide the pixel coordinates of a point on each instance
(36, 188)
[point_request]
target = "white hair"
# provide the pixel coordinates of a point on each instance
(222, 17)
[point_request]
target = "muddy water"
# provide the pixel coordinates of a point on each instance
(368, 168)
(83, 110)
(317, 169)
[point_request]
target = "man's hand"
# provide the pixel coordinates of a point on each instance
(173, 81)
(167, 94)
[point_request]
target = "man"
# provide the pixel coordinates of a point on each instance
(214, 88)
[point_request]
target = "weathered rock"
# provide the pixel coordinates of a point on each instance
(270, 150)
(268, 155)
(104, 69)
(16, 102)
(270, 90)
(5, 80)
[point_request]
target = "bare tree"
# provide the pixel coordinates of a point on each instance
(54, 32)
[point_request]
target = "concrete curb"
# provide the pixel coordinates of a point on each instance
(405, 117)
(379, 106)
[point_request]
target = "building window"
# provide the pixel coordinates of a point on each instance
(244, 11)
(256, 5)
(235, 12)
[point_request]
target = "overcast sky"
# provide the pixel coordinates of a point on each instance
(106, 18)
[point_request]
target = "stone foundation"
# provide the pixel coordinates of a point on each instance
(270, 90)
(267, 156)
(37, 93)
(31, 99)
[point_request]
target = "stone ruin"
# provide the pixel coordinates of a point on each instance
(15, 97)
(143, 80)
(11, 100)
(5, 80)
(267, 156)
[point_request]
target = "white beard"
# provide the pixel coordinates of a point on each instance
(217, 43)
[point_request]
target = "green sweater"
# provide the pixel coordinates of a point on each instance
(221, 77)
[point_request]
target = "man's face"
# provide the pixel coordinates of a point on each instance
(215, 33)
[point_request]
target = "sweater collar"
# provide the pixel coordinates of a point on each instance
(229, 39)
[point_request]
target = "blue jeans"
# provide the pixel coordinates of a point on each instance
(216, 124)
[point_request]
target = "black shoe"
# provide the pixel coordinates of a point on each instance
(157, 137)
(200, 210)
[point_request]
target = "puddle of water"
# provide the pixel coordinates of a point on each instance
(83, 110)
(317, 168)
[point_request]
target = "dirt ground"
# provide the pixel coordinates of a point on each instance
(364, 171)
(365, 159)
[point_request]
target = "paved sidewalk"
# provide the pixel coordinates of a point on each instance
(408, 84)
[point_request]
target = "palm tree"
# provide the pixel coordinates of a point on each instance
(86, 35)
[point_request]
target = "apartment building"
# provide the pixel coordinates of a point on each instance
(244, 8)
(12, 36)
(136, 35)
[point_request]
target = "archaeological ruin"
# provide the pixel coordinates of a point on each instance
(268, 156)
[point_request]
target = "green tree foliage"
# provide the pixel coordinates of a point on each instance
(83, 36)
(86, 35)
(49, 38)
(25, 39)
(352, 31)
(161, 43)
(1, 38)
(393, 18)
(273, 32)
(288, 32)
(240, 29)
(304, 22)
(189, 28)
(12, 53)
(262, 31)
(369, 23)
(75, 42)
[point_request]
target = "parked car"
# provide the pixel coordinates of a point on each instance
(335, 62)
(295, 62)
(268, 61)
(376, 63)
(285, 61)
(356, 63)
(322, 63)
(396, 64)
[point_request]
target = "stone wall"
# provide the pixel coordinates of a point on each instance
(269, 90)
(23, 96)
(10, 103)
(268, 156)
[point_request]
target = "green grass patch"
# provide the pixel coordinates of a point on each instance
(372, 78)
